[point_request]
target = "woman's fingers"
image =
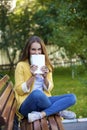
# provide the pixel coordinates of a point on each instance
(33, 68)
(45, 69)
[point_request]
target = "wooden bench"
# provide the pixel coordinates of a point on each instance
(8, 109)
(7, 103)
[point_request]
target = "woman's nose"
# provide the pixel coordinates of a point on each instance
(37, 52)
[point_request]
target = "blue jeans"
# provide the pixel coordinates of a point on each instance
(38, 101)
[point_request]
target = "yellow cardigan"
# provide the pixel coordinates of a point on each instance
(22, 74)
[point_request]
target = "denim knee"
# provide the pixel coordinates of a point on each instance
(73, 99)
(40, 99)
(37, 94)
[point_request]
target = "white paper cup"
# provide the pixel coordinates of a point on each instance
(38, 60)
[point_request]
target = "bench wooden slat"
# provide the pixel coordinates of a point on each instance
(4, 96)
(23, 124)
(36, 125)
(8, 107)
(4, 80)
(29, 126)
(52, 123)
(11, 118)
(44, 124)
(2, 121)
(3, 83)
(58, 120)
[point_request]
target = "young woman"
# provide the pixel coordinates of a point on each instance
(33, 91)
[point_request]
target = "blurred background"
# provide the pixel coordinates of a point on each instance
(63, 27)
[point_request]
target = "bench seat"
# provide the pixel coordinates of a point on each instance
(48, 123)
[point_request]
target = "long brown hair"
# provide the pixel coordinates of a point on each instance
(26, 52)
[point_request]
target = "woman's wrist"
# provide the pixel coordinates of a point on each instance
(30, 81)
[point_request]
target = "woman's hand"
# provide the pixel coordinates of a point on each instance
(45, 70)
(33, 68)
(30, 81)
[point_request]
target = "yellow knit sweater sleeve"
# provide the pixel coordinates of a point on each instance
(22, 74)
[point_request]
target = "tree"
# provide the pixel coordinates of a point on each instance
(58, 22)
(15, 28)
(63, 23)
(6, 30)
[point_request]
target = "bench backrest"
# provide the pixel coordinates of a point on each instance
(7, 103)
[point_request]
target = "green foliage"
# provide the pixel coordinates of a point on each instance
(63, 23)
(58, 22)
(15, 29)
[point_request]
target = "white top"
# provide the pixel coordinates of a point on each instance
(39, 84)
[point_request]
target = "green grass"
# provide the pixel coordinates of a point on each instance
(64, 83)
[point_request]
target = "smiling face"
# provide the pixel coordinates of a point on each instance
(35, 48)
